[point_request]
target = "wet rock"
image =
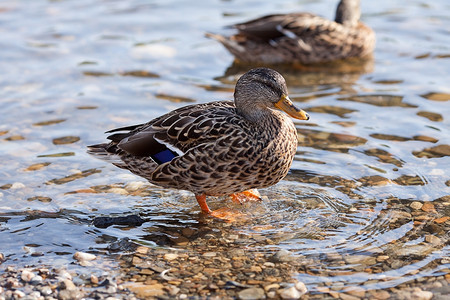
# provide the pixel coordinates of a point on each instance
(40, 198)
(131, 220)
(170, 256)
(145, 291)
(68, 290)
(27, 276)
(381, 295)
(18, 294)
(94, 279)
(283, 256)
(82, 256)
(301, 287)
(382, 258)
(428, 207)
(432, 239)
(347, 297)
(134, 186)
(416, 205)
(17, 185)
(36, 280)
(355, 291)
(46, 291)
(173, 290)
(360, 259)
(274, 286)
(108, 286)
(419, 294)
(119, 191)
(63, 274)
(252, 294)
(290, 293)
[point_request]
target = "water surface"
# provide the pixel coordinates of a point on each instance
(365, 204)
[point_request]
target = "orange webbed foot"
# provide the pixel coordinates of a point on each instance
(246, 196)
(226, 214)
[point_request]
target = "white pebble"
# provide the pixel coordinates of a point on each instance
(17, 185)
(27, 276)
(290, 293)
(83, 256)
(19, 294)
(134, 186)
(63, 274)
(119, 191)
(170, 256)
(422, 295)
(301, 287)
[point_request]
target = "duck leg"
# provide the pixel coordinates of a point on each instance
(242, 197)
(224, 214)
(201, 199)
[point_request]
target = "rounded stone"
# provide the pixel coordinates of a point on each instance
(290, 293)
(27, 275)
(82, 256)
(252, 294)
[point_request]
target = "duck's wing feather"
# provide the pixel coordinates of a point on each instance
(279, 25)
(175, 132)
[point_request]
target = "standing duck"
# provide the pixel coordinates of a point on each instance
(215, 148)
(302, 38)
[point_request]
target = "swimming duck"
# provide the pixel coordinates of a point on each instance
(302, 38)
(216, 148)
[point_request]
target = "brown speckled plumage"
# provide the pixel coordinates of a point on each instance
(301, 37)
(221, 147)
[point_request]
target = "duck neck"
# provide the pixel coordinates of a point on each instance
(255, 114)
(348, 12)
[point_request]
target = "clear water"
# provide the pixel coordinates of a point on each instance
(378, 139)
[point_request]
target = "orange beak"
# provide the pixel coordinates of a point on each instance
(286, 105)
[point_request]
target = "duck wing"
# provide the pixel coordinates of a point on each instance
(173, 134)
(279, 25)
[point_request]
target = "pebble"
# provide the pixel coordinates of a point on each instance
(419, 294)
(94, 279)
(146, 290)
(416, 205)
(36, 280)
(252, 294)
(432, 239)
(382, 258)
(19, 294)
(63, 274)
(360, 259)
(27, 276)
(119, 191)
(170, 256)
(381, 295)
(283, 256)
(290, 293)
(82, 256)
(17, 185)
(134, 186)
(46, 291)
(428, 207)
(301, 287)
(271, 286)
(347, 297)
(67, 284)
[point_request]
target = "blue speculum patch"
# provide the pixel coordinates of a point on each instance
(164, 156)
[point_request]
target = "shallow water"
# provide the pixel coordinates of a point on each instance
(369, 187)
